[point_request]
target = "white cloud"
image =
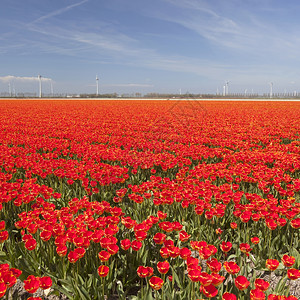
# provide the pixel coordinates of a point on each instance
(9, 78)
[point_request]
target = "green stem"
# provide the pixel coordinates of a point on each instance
(102, 282)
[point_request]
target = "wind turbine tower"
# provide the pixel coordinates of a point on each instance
(9, 90)
(40, 85)
(97, 85)
(226, 84)
(271, 89)
(51, 88)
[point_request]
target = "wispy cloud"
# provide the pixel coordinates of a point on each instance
(9, 78)
(58, 11)
(242, 29)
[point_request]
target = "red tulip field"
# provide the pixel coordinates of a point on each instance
(150, 199)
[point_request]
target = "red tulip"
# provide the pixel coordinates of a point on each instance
(261, 284)
(228, 296)
(45, 282)
(103, 270)
(104, 255)
(241, 282)
(255, 240)
(288, 261)
(231, 267)
(257, 294)
(163, 267)
(209, 291)
(293, 274)
(226, 246)
(156, 283)
(31, 284)
(125, 244)
(159, 238)
(214, 265)
(272, 264)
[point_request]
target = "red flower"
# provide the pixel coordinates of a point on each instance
(231, 267)
(174, 251)
(125, 244)
(164, 252)
(159, 238)
(226, 246)
(104, 255)
(45, 282)
(245, 216)
(185, 253)
(30, 244)
(233, 225)
(161, 215)
(291, 298)
(261, 284)
(156, 283)
(183, 236)
(214, 265)
(257, 294)
(144, 271)
(80, 251)
(276, 297)
(209, 291)
(61, 250)
(31, 284)
(205, 279)
(163, 267)
(295, 223)
(73, 257)
(272, 264)
(3, 289)
(128, 222)
(103, 271)
(255, 240)
(271, 224)
(194, 274)
(241, 282)
(245, 248)
(293, 274)
(228, 296)
(288, 261)
(2, 225)
(217, 279)
(136, 245)
(112, 249)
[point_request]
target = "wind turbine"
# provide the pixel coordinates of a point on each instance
(97, 84)
(271, 89)
(226, 85)
(51, 88)
(9, 90)
(40, 85)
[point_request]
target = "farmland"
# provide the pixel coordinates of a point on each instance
(150, 199)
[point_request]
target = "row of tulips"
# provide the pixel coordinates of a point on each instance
(96, 201)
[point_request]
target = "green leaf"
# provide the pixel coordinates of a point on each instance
(2, 254)
(149, 295)
(281, 285)
(64, 291)
(84, 295)
(176, 278)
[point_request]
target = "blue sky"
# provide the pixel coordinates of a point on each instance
(150, 46)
